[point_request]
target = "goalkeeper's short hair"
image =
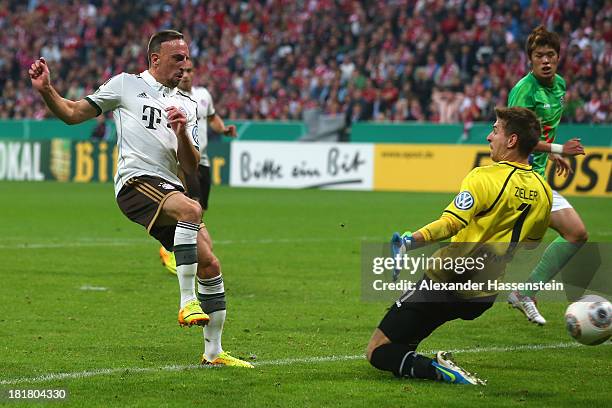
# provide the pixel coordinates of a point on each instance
(524, 123)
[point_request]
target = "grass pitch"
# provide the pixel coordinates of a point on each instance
(86, 306)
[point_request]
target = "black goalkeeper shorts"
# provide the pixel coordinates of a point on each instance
(416, 314)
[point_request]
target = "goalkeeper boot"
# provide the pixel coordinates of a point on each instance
(450, 372)
(528, 306)
(225, 359)
(192, 314)
(168, 260)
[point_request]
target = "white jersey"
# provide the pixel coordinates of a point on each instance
(146, 143)
(206, 109)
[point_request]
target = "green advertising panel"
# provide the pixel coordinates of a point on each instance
(430, 133)
(219, 156)
(368, 132)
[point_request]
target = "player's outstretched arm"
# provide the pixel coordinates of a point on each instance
(457, 215)
(572, 147)
(70, 112)
(216, 123)
(439, 230)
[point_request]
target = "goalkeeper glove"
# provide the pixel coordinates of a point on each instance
(400, 244)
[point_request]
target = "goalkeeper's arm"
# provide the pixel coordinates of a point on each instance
(444, 227)
(439, 230)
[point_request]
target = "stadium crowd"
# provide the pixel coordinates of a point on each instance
(394, 60)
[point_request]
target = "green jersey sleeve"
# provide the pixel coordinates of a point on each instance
(522, 95)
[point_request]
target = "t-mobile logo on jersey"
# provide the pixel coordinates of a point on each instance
(153, 116)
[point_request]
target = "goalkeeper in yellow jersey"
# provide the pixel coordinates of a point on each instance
(506, 202)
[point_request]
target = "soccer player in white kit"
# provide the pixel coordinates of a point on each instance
(157, 134)
(198, 187)
(207, 117)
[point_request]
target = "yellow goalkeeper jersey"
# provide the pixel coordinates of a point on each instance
(503, 203)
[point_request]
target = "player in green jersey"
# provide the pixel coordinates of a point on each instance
(542, 91)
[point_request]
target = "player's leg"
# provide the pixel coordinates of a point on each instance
(186, 214)
(573, 234)
(205, 184)
(211, 294)
(400, 356)
(192, 184)
(157, 205)
(393, 344)
(410, 320)
(211, 290)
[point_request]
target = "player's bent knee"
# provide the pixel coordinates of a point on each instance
(378, 339)
(578, 236)
(371, 349)
(191, 211)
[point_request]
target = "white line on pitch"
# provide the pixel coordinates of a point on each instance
(124, 242)
(101, 242)
(286, 361)
(94, 288)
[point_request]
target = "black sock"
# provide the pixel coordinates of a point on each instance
(403, 361)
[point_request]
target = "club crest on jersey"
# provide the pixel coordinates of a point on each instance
(194, 135)
(166, 186)
(464, 200)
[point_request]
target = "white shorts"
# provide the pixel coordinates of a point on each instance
(559, 202)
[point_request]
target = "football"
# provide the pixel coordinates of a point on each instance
(589, 320)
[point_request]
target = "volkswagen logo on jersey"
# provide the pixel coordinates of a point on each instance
(464, 200)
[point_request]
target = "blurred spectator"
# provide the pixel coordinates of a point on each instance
(447, 76)
(446, 104)
(102, 131)
(595, 109)
(374, 60)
